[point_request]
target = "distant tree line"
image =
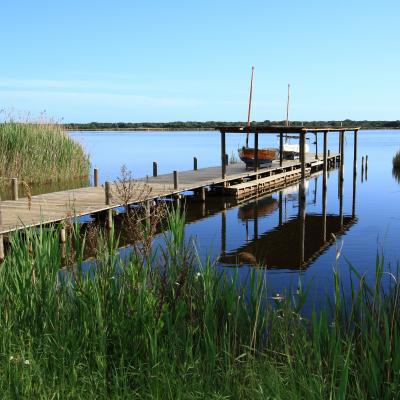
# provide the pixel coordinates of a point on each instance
(210, 125)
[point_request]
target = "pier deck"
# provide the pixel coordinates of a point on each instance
(58, 206)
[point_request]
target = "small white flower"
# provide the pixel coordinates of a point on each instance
(11, 358)
(26, 362)
(177, 283)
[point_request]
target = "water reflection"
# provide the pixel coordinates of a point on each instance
(294, 243)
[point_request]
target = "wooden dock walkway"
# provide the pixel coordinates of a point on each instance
(58, 206)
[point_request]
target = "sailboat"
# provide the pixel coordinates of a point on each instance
(291, 151)
(248, 154)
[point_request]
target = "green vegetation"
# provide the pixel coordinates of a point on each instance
(40, 153)
(396, 166)
(183, 330)
(211, 125)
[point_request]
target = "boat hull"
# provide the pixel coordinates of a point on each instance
(265, 156)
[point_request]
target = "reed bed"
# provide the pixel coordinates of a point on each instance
(38, 153)
(396, 166)
(166, 326)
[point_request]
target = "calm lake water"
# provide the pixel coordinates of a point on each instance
(267, 229)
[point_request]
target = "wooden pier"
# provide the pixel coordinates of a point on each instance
(227, 180)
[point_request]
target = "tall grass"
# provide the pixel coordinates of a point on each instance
(40, 153)
(396, 166)
(181, 329)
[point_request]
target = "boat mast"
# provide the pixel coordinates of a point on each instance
(287, 109)
(249, 111)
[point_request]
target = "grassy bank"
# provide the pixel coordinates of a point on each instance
(183, 330)
(40, 153)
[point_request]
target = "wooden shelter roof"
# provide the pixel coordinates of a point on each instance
(279, 129)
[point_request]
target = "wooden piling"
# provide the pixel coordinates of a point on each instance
(281, 149)
(176, 182)
(203, 194)
(96, 177)
(226, 159)
(342, 156)
(14, 188)
(195, 163)
(303, 156)
(325, 164)
(256, 152)
(316, 145)
(155, 169)
(223, 151)
(366, 163)
(107, 191)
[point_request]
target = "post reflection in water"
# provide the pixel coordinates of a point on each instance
(291, 243)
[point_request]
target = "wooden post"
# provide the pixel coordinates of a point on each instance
(325, 164)
(226, 159)
(203, 194)
(14, 188)
(303, 157)
(195, 163)
(342, 156)
(341, 200)
(1, 238)
(155, 169)
(107, 191)
(176, 182)
(256, 152)
(316, 145)
(366, 163)
(281, 149)
(95, 177)
(280, 207)
(362, 164)
(223, 151)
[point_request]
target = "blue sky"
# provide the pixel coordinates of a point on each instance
(191, 60)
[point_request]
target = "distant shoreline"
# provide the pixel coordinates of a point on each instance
(189, 129)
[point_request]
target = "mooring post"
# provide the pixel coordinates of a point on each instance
(14, 188)
(280, 207)
(342, 156)
(176, 182)
(256, 152)
(96, 177)
(203, 194)
(107, 191)
(281, 149)
(341, 184)
(366, 163)
(316, 145)
(303, 157)
(223, 151)
(195, 163)
(1, 237)
(155, 169)
(325, 164)
(362, 168)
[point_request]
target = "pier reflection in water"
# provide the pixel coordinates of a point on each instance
(293, 243)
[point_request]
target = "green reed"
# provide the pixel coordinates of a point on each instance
(40, 153)
(167, 326)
